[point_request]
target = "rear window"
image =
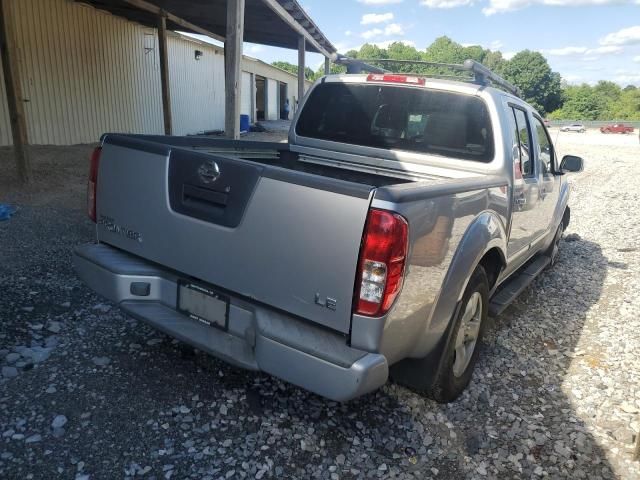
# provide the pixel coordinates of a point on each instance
(391, 117)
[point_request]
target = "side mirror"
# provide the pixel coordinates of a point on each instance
(571, 163)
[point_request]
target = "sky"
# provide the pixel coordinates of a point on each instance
(584, 40)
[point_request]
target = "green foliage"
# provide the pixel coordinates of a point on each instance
(309, 74)
(333, 69)
(539, 85)
(580, 103)
(604, 101)
(626, 107)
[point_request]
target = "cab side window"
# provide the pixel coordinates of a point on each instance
(545, 147)
(522, 141)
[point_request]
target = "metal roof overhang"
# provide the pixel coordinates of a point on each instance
(278, 23)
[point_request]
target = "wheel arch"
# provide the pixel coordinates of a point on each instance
(485, 240)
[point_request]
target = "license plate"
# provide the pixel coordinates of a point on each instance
(203, 304)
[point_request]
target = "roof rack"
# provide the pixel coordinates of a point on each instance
(481, 74)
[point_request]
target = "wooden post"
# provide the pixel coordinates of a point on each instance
(327, 66)
(164, 73)
(253, 97)
(8, 52)
(301, 65)
(266, 99)
(232, 61)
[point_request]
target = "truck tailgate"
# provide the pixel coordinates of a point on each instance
(284, 238)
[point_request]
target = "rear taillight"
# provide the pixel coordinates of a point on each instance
(92, 184)
(381, 264)
(394, 78)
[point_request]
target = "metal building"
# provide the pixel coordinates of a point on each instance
(85, 71)
(73, 69)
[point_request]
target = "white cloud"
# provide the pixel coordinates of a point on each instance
(626, 36)
(446, 3)
(590, 54)
(494, 45)
(572, 78)
(508, 55)
(369, 18)
(379, 2)
(393, 29)
(374, 32)
(565, 51)
(255, 48)
(636, 59)
(633, 79)
(501, 6)
(604, 49)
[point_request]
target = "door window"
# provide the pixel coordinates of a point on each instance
(522, 141)
(545, 147)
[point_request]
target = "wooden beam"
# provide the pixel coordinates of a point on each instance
(150, 7)
(232, 62)
(327, 66)
(301, 65)
(253, 98)
(295, 25)
(164, 74)
(8, 52)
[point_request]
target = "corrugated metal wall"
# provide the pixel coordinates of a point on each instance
(245, 102)
(197, 87)
(272, 99)
(5, 129)
(85, 72)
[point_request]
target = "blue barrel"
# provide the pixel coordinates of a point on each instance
(244, 123)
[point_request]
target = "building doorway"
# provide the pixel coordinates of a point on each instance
(261, 97)
(284, 115)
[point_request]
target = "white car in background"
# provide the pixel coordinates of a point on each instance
(574, 127)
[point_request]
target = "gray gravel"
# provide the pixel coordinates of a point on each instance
(97, 394)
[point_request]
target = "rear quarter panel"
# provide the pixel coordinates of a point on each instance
(449, 233)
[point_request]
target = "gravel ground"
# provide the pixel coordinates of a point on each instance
(87, 392)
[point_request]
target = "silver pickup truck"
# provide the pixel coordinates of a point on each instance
(401, 213)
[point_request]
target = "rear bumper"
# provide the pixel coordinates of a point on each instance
(257, 338)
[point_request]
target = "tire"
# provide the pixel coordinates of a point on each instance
(554, 249)
(456, 369)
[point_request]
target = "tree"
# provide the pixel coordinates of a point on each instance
(333, 69)
(627, 106)
(493, 60)
(445, 50)
(604, 101)
(530, 72)
(580, 103)
(291, 68)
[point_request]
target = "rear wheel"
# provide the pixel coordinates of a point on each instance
(554, 249)
(462, 351)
